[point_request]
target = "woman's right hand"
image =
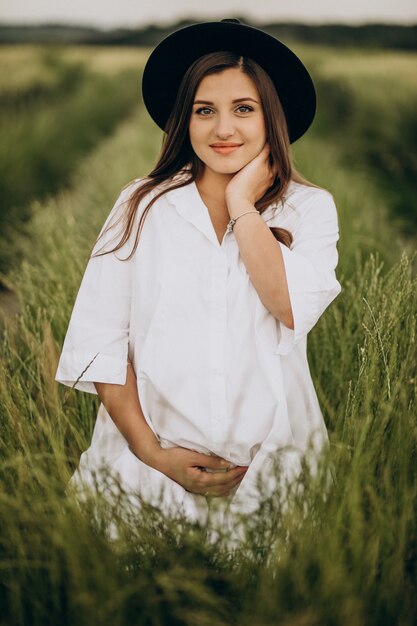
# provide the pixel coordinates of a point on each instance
(186, 467)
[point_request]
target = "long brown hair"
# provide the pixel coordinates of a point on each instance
(177, 155)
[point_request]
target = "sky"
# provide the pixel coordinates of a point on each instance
(108, 14)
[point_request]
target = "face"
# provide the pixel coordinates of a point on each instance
(227, 109)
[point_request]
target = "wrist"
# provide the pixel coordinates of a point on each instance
(159, 460)
(238, 204)
(151, 455)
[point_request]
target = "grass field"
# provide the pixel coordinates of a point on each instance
(353, 559)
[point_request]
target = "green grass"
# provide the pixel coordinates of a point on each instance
(368, 105)
(49, 124)
(348, 559)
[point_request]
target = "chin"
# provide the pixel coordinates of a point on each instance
(225, 166)
(226, 169)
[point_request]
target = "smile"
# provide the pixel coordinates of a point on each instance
(225, 149)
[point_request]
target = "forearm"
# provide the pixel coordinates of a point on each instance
(263, 259)
(123, 405)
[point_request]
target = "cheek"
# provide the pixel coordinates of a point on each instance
(196, 133)
(256, 130)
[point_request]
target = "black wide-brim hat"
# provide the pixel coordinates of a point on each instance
(171, 58)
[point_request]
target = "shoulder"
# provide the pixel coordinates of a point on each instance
(117, 213)
(131, 186)
(129, 190)
(306, 199)
(305, 203)
(302, 207)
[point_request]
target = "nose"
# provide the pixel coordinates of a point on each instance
(224, 126)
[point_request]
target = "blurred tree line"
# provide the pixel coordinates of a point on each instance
(380, 35)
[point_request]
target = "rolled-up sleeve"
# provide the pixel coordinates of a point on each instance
(95, 347)
(310, 266)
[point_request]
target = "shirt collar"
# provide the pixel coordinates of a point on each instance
(189, 204)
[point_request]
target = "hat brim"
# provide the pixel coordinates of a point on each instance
(171, 58)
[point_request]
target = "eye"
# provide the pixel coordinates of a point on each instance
(242, 106)
(203, 109)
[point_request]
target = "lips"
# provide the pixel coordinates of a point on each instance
(226, 149)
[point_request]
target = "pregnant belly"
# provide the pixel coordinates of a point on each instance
(236, 456)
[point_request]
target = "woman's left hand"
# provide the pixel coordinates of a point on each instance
(253, 180)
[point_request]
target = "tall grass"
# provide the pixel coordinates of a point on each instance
(349, 558)
(370, 106)
(48, 127)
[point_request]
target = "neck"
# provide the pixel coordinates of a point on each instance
(213, 185)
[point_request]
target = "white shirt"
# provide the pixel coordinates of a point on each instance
(216, 372)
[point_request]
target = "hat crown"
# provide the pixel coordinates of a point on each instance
(231, 19)
(168, 63)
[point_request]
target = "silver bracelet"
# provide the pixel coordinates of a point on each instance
(234, 220)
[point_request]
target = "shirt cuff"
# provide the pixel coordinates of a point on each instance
(310, 293)
(88, 368)
(93, 354)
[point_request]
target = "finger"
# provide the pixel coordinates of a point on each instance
(213, 480)
(227, 486)
(213, 462)
(210, 481)
(263, 153)
(223, 491)
(235, 483)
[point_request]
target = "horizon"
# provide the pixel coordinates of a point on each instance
(105, 15)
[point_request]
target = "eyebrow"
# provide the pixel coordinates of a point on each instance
(233, 101)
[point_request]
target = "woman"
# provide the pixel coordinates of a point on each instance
(195, 339)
